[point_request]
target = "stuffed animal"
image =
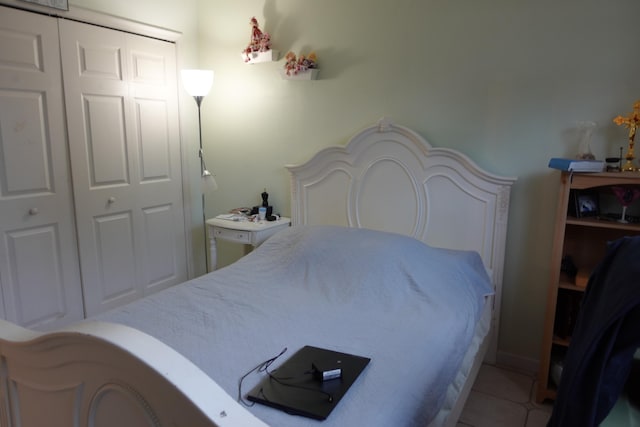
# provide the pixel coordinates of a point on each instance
(290, 63)
(256, 33)
(313, 60)
(303, 63)
(259, 41)
(265, 42)
(294, 65)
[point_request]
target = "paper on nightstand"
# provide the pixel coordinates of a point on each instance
(232, 217)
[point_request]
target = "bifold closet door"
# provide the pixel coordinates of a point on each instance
(39, 273)
(122, 116)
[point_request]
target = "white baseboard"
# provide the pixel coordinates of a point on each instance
(519, 363)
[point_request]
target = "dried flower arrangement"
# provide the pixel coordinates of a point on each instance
(294, 65)
(260, 41)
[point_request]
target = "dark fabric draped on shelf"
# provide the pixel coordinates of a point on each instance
(604, 341)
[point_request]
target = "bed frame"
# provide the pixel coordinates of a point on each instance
(387, 178)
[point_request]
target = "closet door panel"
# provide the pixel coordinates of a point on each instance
(115, 256)
(155, 147)
(38, 293)
(106, 142)
(39, 272)
(101, 61)
(124, 138)
(159, 232)
(27, 166)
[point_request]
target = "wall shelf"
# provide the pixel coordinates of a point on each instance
(301, 75)
(258, 57)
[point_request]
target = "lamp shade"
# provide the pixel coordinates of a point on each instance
(197, 82)
(208, 182)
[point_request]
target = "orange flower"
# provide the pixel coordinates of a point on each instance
(631, 121)
(619, 120)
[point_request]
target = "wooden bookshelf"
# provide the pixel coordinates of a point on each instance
(584, 239)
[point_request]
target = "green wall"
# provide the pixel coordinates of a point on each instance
(504, 81)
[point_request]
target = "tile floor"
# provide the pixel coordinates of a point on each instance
(502, 397)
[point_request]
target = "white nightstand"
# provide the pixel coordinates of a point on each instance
(247, 232)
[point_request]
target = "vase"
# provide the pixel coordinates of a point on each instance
(585, 130)
(625, 196)
(628, 165)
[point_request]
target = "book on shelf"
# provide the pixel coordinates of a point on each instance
(576, 165)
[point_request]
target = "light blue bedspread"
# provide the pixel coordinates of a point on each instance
(411, 308)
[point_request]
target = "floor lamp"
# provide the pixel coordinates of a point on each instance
(198, 83)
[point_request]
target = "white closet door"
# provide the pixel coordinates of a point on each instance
(39, 273)
(122, 117)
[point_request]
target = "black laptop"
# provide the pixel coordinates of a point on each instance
(310, 383)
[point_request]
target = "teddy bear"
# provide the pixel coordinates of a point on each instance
(290, 63)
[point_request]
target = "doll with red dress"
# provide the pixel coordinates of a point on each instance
(259, 42)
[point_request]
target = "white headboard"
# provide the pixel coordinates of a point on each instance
(389, 178)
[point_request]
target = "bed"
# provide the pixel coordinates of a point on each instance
(395, 253)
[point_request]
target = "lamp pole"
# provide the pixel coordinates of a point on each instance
(199, 99)
(198, 84)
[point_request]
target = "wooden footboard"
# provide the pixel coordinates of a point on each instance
(101, 374)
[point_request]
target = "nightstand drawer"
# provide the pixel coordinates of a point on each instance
(232, 235)
(244, 232)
